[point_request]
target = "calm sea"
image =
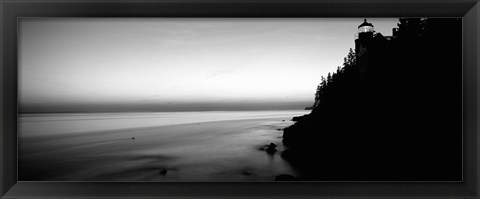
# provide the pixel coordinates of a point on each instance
(156, 146)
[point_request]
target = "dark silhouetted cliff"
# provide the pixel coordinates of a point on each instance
(392, 112)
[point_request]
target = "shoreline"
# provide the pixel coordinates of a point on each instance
(218, 151)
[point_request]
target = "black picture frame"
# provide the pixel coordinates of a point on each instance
(11, 10)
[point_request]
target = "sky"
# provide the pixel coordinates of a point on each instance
(178, 64)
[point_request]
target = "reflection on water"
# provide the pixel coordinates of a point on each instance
(183, 146)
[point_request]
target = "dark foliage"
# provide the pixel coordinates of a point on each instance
(400, 119)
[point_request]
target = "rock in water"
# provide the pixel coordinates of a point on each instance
(284, 177)
(246, 173)
(163, 172)
(271, 148)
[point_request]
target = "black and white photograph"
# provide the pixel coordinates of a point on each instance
(239, 99)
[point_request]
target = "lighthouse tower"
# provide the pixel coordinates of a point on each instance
(363, 39)
(365, 35)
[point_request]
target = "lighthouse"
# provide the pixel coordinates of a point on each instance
(365, 35)
(364, 46)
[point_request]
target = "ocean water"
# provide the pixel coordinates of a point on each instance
(206, 146)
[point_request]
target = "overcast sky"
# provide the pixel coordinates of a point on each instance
(73, 64)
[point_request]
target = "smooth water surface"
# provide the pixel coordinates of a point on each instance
(160, 146)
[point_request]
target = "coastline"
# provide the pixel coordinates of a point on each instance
(231, 150)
